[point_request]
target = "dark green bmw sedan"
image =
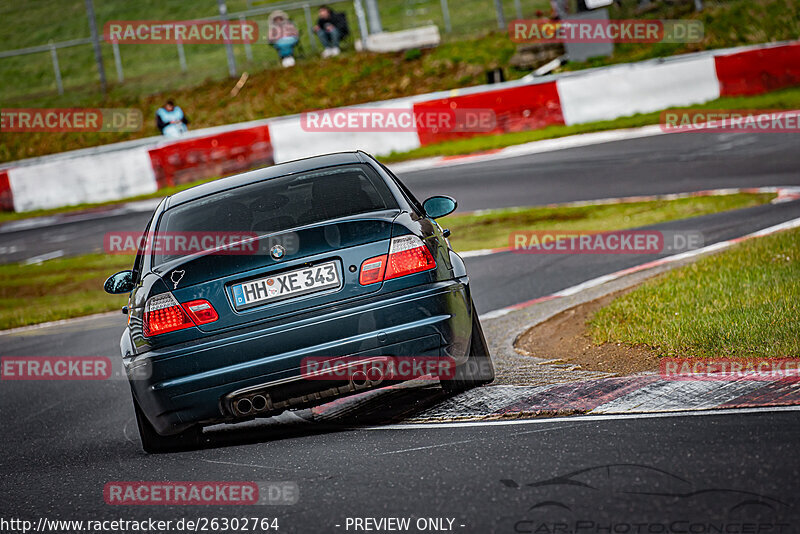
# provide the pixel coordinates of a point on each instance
(288, 287)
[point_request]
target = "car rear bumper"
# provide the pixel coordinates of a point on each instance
(194, 382)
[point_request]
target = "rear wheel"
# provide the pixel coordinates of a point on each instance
(478, 369)
(153, 442)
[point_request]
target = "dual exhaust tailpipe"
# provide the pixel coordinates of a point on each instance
(246, 405)
(361, 378)
(371, 377)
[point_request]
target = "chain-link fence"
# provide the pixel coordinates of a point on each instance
(58, 57)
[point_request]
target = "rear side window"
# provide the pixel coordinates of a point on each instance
(279, 204)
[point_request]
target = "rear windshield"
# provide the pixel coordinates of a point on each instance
(279, 204)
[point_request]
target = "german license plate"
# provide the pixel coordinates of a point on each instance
(286, 285)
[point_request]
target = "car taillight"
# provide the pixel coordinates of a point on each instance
(163, 314)
(407, 255)
(201, 311)
(372, 270)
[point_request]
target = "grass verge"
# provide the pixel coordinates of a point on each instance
(742, 303)
(491, 230)
(58, 289)
(72, 287)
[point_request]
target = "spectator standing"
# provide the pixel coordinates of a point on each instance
(331, 28)
(171, 121)
(283, 36)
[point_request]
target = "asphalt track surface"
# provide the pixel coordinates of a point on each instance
(64, 441)
(673, 163)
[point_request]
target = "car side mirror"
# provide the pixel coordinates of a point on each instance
(439, 206)
(119, 283)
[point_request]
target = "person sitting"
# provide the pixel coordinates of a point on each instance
(331, 28)
(171, 121)
(283, 36)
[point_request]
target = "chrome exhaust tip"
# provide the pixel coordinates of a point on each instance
(375, 375)
(259, 403)
(243, 406)
(359, 379)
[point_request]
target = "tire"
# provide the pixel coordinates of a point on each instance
(153, 442)
(478, 370)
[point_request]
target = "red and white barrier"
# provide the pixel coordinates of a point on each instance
(90, 178)
(291, 141)
(195, 158)
(628, 89)
(525, 107)
(120, 171)
(761, 70)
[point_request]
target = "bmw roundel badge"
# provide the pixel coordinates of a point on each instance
(277, 252)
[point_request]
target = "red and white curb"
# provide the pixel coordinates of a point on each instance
(641, 394)
(625, 395)
(716, 247)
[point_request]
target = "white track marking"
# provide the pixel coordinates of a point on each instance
(43, 257)
(585, 418)
(436, 446)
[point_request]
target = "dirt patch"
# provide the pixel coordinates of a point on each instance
(565, 337)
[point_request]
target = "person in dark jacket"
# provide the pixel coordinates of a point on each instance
(331, 28)
(171, 121)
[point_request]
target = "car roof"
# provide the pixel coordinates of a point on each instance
(274, 171)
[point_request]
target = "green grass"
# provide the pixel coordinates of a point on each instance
(152, 72)
(741, 303)
(491, 230)
(784, 99)
(150, 68)
(72, 287)
(727, 23)
(58, 289)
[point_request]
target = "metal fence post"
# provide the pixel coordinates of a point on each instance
(56, 68)
(374, 16)
(501, 18)
(309, 27)
(117, 61)
(248, 50)
(98, 54)
(223, 16)
(518, 6)
(182, 57)
(448, 26)
(362, 21)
